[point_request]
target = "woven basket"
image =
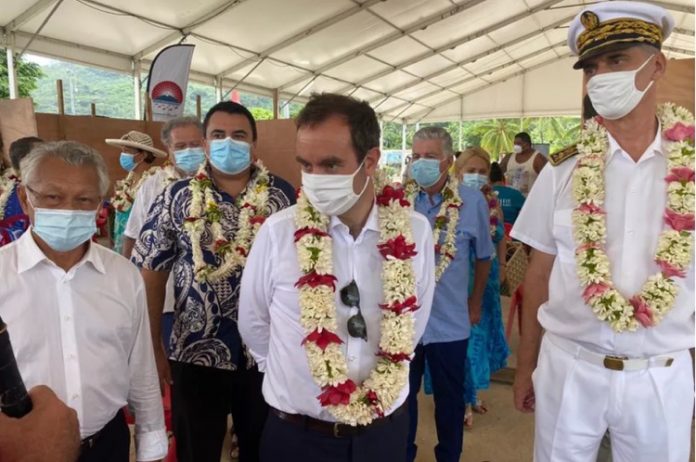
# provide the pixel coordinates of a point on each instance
(516, 267)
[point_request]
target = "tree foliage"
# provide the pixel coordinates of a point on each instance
(28, 75)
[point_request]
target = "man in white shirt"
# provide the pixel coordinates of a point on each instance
(77, 311)
(611, 276)
(185, 142)
(522, 166)
(326, 400)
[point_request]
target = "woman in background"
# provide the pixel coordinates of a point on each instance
(488, 349)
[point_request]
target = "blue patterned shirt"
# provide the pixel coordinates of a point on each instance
(449, 318)
(205, 327)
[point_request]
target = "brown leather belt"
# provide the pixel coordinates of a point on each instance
(337, 430)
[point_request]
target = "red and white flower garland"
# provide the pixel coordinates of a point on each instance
(675, 244)
(491, 196)
(204, 210)
(447, 218)
(124, 191)
(6, 188)
(348, 402)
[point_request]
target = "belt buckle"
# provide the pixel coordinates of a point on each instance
(336, 430)
(615, 363)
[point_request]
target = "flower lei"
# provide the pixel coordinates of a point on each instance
(492, 200)
(674, 248)
(347, 401)
(204, 210)
(7, 185)
(170, 175)
(447, 217)
(124, 191)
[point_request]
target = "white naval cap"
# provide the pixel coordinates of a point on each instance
(615, 25)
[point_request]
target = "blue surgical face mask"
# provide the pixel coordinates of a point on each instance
(64, 230)
(189, 160)
(426, 172)
(474, 180)
(230, 156)
(127, 161)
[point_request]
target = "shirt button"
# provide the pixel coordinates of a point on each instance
(351, 358)
(75, 396)
(67, 318)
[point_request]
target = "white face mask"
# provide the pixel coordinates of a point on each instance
(614, 94)
(517, 149)
(332, 195)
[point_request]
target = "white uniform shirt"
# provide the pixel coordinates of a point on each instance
(85, 334)
(635, 204)
(269, 311)
(144, 198)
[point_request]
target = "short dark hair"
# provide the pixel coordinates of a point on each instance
(360, 117)
(524, 136)
(588, 110)
(20, 148)
(230, 107)
(496, 173)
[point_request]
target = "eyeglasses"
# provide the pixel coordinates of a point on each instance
(350, 296)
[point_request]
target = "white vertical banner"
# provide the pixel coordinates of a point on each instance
(168, 79)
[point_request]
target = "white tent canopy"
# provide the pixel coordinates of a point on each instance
(414, 60)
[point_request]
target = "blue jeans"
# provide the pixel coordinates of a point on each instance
(447, 367)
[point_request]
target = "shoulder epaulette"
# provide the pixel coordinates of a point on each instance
(564, 154)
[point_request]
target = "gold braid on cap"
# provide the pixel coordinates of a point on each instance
(598, 35)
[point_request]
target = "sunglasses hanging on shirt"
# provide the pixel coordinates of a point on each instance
(350, 296)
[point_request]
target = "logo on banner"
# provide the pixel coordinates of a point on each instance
(167, 98)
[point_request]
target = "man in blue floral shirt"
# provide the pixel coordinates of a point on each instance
(201, 229)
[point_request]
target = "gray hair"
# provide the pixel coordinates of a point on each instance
(436, 133)
(166, 133)
(72, 153)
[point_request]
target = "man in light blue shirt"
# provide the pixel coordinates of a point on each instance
(453, 312)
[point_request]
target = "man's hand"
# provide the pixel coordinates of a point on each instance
(474, 311)
(163, 370)
(523, 391)
(49, 432)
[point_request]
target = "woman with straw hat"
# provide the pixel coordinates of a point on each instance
(137, 155)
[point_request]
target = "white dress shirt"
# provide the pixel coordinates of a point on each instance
(85, 334)
(635, 200)
(144, 198)
(269, 311)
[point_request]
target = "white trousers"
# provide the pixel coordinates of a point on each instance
(648, 412)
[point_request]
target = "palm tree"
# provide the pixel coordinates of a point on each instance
(499, 135)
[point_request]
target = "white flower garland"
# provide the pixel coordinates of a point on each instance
(348, 402)
(124, 191)
(204, 210)
(447, 217)
(169, 175)
(675, 244)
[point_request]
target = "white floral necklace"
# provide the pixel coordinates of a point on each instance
(347, 401)
(674, 247)
(169, 175)
(124, 191)
(447, 217)
(204, 210)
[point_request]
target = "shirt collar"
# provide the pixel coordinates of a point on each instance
(372, 223)
(654, 149)
(29, 255)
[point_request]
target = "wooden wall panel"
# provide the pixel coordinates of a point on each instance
(677, 85)
(276, 149)
(16, 121)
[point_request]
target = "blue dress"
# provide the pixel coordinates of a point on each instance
(120, 221)
(488, 349)
(14, 221)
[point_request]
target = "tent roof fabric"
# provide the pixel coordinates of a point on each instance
(413, 60)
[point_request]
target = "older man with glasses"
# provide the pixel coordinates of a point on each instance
(77, 311)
